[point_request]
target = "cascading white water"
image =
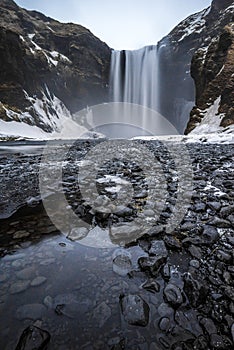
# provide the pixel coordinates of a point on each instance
(134, 76)
(134, 86)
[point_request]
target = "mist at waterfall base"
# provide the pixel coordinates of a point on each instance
(134, 89)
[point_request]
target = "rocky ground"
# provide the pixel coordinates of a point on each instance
(152, 289)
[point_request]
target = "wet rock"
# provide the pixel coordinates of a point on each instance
(152, 286)
(155, 231)
(47, 262)
(164, 310)
(195, 264)
(33, 338)
(210, 234)
(223, 256)
(208, 326)
(48, 301)
(19, 287)
(173, 295)
(30, 311)
(122, 264)
(135, 310)
(229, 292)
(124, 234)
(199, 207)
(226, 211)
(152, 263)
(201, 343)
(220, 223)
(195, 291)
(78, 233)
(101, 314)
(21, 234)
(172, 242)
(12, 257)
(26, 273)
(188, 226)
(215, 206)
(119, 346)
(216, 342)
(164, 342)
(164, 324)
(166, 272)
(196, 252)
(123, 211)
(38, 281)
(70, 310)
(3, 277)
(68, 298)
(158, 248)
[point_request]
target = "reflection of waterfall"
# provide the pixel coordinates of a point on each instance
(134, 76)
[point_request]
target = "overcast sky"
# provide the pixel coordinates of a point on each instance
(122, 24)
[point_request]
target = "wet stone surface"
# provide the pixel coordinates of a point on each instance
(156, 290)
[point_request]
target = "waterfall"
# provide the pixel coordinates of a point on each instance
(134, 76)
(134, 88)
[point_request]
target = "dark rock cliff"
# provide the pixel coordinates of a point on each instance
(191, 58)
(41, 58)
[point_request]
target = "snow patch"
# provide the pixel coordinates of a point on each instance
(56, 55)
(51, 112)
(22, 38)
(210, 123)
(194, 23)
(53, 57)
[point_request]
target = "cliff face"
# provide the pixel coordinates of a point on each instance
(212, 69)
(196, 61)
(48, 68)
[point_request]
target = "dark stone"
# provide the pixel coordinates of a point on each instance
(214, 206)
(152, 286)
(173, 295)
(220, 223)
(135, 310)
(152, 263)
(119, 346)
(172, 242)
(196, 252)
(229, 292)
(226, 211)
(164, 324)
(210, 234)
(33, 338)
(223, 256)
(199, 207)
(195, 291)
(208, 326)
(216, 342)
(158, 248)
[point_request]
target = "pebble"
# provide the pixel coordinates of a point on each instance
(33, 338)
(21, 234)
(173, 295)
(164, 324)
(19, 287)
(26, 273)
(38, 281)
(135, 310)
